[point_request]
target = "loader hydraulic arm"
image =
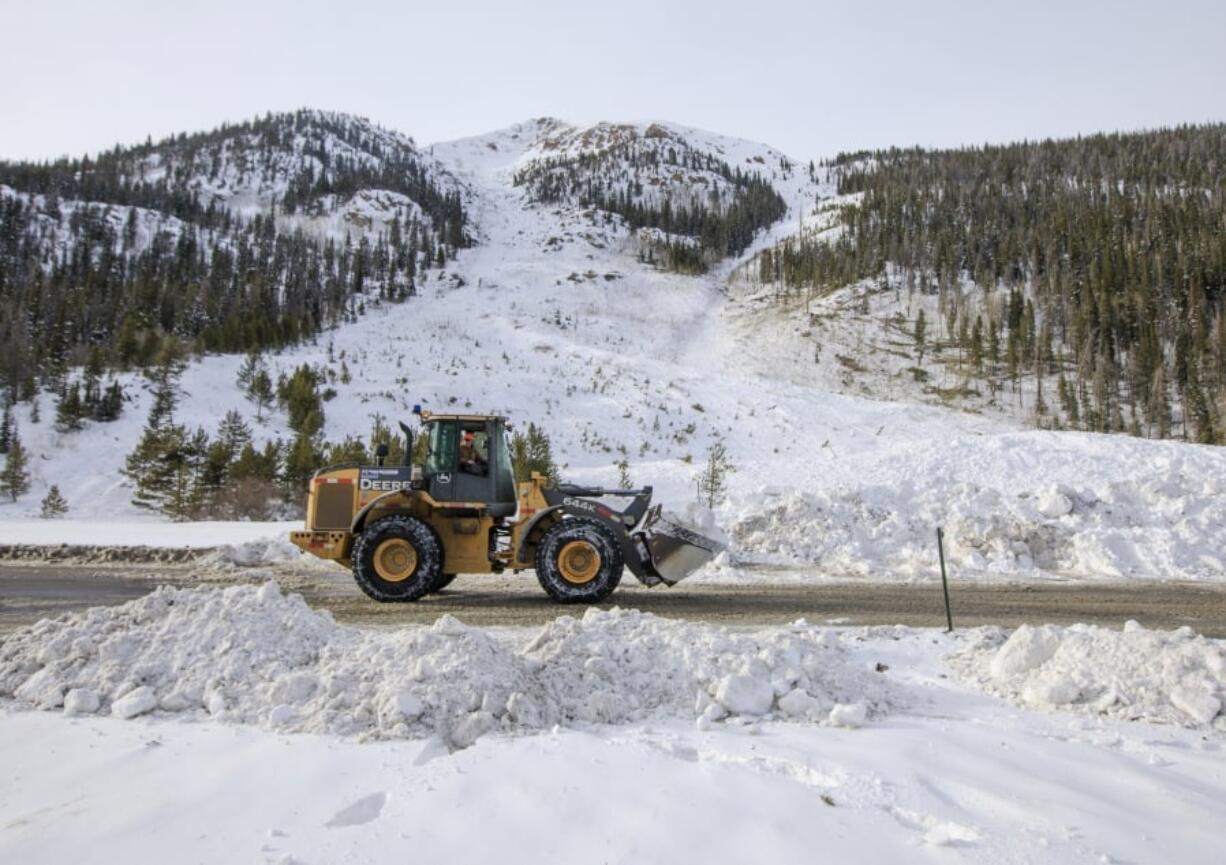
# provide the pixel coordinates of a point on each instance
(629, 517)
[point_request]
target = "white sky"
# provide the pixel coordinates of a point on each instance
(811, 78)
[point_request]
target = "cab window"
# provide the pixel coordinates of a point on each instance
(504, 480)
(442, 456)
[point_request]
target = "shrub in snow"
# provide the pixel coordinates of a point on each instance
(53, 504)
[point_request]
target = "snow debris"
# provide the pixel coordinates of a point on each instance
(259, 551)
(1114, 528)
(1025, 649)
(745, 695)
(252, 655)
(801, 704)
(1173, 677)
(136, 702)
(81, 701)
(280, 715)
(849, 715)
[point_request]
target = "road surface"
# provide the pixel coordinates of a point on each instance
(29, 592)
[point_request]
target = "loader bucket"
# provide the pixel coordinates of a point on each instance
(676, 549)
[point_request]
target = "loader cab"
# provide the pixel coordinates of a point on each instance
(468, 460)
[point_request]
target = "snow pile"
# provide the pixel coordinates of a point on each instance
(1164, 528)
(1174, 677)
(258, 551)
(623, 665)
(253, 655)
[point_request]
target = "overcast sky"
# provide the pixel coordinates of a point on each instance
(811, 78)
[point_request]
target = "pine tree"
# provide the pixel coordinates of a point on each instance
(165, 379)
(53, 504)
(155, 463)
(110, 405)
(921, 329)
(1198, 408)
(15, 478)
(246, 372)
(300, 396)
(976, 350)
(259, 464)
(623, 475)
(303, 458)
(381, 433)
(531, 452)
(6, 428)
(233, 434)
(70, 410)
(159, 465)
(260, 393)
(712, 481)
(1159, 403)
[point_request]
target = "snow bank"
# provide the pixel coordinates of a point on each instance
(150, 532)
(1164, 528)
(1173, 677)
(258, 551)
(253, 655)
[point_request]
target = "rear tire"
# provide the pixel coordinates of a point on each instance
(443, 582)
(396, 559)
(579, 561)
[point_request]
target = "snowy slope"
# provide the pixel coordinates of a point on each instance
(552, 318)
(247, 173)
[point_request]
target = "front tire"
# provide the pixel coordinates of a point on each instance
(579, 562)
(396, 559)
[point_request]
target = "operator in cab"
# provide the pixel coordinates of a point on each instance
(471, 459)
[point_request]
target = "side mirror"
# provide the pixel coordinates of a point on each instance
(381, 452)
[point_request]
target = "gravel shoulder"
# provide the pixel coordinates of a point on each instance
(30, 591)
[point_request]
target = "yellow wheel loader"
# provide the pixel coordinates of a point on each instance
(408, 530)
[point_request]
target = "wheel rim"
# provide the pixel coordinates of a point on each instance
(395, 560)
(579, 562)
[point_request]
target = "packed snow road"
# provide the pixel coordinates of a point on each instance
(29, 592)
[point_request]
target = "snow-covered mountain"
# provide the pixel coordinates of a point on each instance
(552, 311)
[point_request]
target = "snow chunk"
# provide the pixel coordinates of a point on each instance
(849, 715)
(1026, 649)
(1053, 504)
(798, 704)
(409, 706)
(1197, 703)
(280, 715)
(134, 703)
(745, 695)
(81, 701)
(471, 728)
